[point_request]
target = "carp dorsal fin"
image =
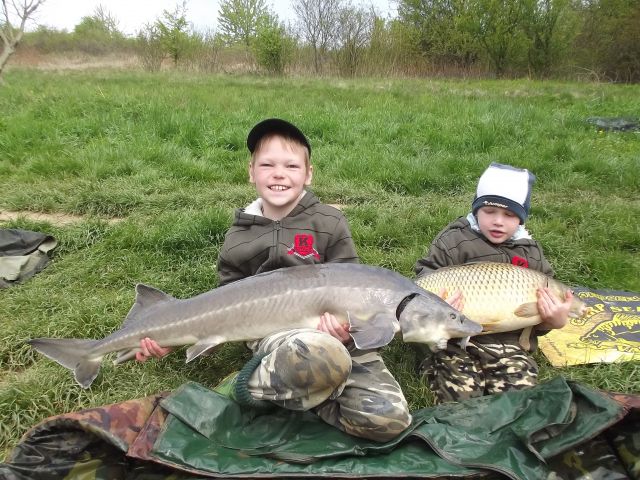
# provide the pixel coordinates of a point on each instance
(146, 297)
(527, 310)
(374, 332)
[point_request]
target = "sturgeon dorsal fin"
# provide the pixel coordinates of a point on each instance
(146, 297)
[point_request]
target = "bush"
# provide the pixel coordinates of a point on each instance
(150, 48)
(273, 49)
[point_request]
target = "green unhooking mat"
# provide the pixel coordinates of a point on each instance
(557, 429)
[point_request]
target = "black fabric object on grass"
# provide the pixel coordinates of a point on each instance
(23, 253)
(615, 124)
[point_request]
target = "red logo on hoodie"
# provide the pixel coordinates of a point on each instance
(303, 247)
(520, 262)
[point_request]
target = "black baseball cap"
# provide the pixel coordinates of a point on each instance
(275, 125)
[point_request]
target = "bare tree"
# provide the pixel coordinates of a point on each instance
(106, 18)
(355, 26)
(318, 23)
(10, 34)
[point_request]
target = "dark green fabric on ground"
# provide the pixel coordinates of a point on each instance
(557, 429)
(511, 433)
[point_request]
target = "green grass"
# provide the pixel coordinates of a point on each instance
(165, 155)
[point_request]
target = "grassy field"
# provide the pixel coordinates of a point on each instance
(152, 166)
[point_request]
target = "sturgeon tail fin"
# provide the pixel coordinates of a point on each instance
(73, 354)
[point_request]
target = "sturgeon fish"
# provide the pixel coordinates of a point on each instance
(499, 296)
(376, 303)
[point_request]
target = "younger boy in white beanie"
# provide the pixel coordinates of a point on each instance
(492, 232)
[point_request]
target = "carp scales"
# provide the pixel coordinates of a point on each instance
(376, 302)
(499, 296)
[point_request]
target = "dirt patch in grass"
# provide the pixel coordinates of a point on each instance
(29, 57)
(53, 218)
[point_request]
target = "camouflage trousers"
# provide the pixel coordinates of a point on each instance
(306, 369)
(455, 374)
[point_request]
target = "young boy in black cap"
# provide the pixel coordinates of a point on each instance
(493, 232)
(302, 369)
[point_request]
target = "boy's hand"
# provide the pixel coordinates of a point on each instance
(553, 312)
(456, 300)
(329, 324)
(150, 348)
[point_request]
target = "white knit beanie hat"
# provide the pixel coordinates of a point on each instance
(507, 187)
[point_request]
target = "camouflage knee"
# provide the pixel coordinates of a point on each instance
(300, 370)
(507, 367)
(452, 375)
(372, 404)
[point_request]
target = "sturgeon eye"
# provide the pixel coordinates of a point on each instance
(453, 316)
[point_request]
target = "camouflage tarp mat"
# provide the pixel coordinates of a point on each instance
(609, 333)
(557, 429)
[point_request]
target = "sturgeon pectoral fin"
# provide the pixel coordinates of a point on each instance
(202, 347)
(375, 332)
(125, 355)
(527, 310)
(441, 344)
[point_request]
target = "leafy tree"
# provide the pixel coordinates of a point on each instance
(102, 22)
(443, 29)
(497, 25)
(98, 32)
(14, 19)
(273, 48)
(609, 41)
(318, 22)
(240, 20)
(541, 26)
(173, 30)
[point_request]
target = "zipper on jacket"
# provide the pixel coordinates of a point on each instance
(277, 227)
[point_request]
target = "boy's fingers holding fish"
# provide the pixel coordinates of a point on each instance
(329, 324)
(456, 300)
(554, 312)
(150, 348)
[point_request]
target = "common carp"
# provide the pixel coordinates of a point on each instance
(375, 301)
(499, 296)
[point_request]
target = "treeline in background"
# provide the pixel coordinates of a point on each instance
(595, 40)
